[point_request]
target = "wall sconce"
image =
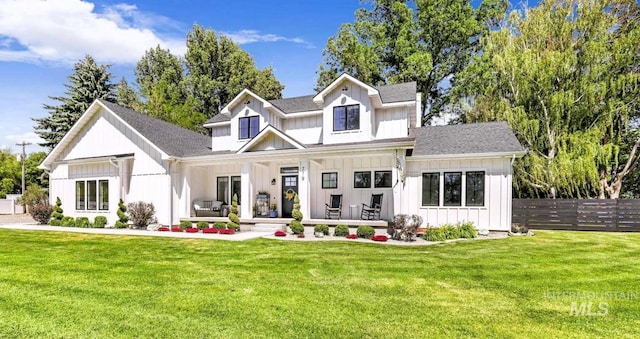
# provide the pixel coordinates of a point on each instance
(345, 88)
(248, 102)
(273, 181)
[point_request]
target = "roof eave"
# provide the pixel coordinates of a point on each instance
(507, 154)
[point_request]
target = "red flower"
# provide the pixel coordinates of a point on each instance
(210, 230)
(191, 230)
(176, 229)
(280, 233)
(228, 231)
(352, 236)
(381, 238)
(163, 229)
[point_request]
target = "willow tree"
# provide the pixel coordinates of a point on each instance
(565, 76)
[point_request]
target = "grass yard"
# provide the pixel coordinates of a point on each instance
(74, 285)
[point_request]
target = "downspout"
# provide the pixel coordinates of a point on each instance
(117, 166)
(171, 162)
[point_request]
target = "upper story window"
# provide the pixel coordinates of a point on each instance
(346, 118)
(249, 127)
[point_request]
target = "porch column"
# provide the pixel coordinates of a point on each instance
(245, 191)
(304, 188)
(397, 174)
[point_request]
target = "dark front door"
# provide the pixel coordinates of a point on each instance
(289, 189)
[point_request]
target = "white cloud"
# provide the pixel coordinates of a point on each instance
(66, 30)
(248, 36)
(29, 137)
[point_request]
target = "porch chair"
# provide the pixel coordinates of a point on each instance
(334, 207)
(372, 211)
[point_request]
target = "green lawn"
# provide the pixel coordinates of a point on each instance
(75, 285)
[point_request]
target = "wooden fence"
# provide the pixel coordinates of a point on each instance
(620, 215)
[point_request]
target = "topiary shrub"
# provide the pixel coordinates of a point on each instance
(202, 225)
(57, 213)
(220, 225)
(341, 230)
(41, 212)
(296, 227)
(434, 234)
(55, 222)
(68, 222)
(365, 231)
(123, 219)
(234, 220)
(82, 222)
(467, 230)
(321, 228)
(186, 224)
(100, 221)
(141, 213)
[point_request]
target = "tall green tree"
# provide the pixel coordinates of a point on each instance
(33, 174)
(10, 169)
(565, 76)
(427, 41)
(218, 69)
(126, 96)
(88, 82)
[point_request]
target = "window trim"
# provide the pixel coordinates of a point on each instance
(85, 197)
(362, 173)
(346, 118)
(444, 186)
(249, 125)
(91, 198)
(375, 182)
(329, 180)
(101, 195)
(482, 188)
(437, 174)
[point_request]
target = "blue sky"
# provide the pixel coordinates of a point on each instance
(40, 41)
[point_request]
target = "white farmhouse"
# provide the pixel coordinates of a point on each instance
(350, 140)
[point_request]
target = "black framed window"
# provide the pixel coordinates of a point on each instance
(223, 190)
(92, 195)
(382, 179)
(346, 118)
(249, 127)
(330, 180)
(474, 189)
(103, 195)
(430, 189)
(452, 188)
(80, 195)
(362, 179)
(235, 188)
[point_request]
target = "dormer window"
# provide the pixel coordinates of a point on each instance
(346, 118)
(249, 127)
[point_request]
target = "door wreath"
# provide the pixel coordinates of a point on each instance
(289, 194)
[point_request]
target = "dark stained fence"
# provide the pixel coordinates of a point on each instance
(620, 215)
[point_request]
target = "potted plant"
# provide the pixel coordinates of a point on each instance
(273, 210)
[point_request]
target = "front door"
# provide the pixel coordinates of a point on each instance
(289, 189)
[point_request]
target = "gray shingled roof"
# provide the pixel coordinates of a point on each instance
(297, 104)
(400, 92)
(218, 118)
(465, 139)
(171, 139)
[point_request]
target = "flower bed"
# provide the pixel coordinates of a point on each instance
(176, 229)
(280, 233)
(191, 230)
(351, 236)
(163, 229)
(381, 238)
(210, 230)
(227, 231)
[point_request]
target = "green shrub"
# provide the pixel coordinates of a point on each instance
(100, 221)
(321, 228)
(234, 220)
(341, 230)
(41, 212)
(434, 234)
(57, 212)
(220, 225)
(122, 216)
(450, 231)
(467, 230)
(55, 222)
(202, 225)
(296, 227)
(82, 222)
(365, 231)
(141, 213)
(33, 195)
(68, 222)
(233, 226)
(120, 224)
(186, 224)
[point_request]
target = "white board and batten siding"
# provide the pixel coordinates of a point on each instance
(353, 95)
(392, 122)
(494, 215)
(307, 130)
(144, 178)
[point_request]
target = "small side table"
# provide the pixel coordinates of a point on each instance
(351, 207)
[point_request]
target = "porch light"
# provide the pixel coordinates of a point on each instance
(273, 181)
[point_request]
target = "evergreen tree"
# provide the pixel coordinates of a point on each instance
(126, 96)
(427, 41)
(234, 220)
(88, 82)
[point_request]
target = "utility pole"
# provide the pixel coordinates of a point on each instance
(23, 157)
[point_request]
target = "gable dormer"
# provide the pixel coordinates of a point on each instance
(241, 120)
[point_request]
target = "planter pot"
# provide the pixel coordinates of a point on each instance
(273, 214)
